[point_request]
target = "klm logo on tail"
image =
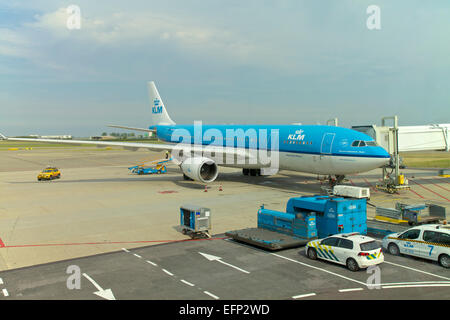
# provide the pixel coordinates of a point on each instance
(157, 108)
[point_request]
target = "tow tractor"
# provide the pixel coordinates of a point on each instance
(157, 166)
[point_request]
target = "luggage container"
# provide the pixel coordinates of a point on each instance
(195, 221)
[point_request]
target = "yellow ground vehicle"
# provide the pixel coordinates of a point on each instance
(49, 173)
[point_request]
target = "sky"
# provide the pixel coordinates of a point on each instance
(228, 61)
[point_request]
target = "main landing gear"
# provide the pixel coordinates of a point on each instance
(251, 172)
(335, 181)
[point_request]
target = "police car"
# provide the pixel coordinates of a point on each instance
(426, 241)
(352, 249)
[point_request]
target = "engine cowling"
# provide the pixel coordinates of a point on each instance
(200, 169)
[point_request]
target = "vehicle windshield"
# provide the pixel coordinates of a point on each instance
(47, 170)
(368, 246)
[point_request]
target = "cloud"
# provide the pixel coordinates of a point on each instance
(47, 40)
(286, 57)
(13, 44)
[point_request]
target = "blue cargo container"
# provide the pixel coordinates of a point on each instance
(302, 225)
(333, 214)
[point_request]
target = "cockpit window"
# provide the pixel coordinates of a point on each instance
(360, 143)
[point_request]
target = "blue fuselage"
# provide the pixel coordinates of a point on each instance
(308, 139)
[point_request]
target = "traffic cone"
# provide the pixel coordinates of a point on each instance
(220, 188)
(206, 189)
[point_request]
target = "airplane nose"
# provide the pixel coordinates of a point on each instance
(385, 157)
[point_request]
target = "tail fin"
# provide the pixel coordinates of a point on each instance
(159, 113)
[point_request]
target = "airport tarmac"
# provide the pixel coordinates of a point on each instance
(180, 271)
(98, 208)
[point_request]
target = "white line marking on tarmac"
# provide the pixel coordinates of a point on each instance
(304, 295)
(188, 283)
(5, 292)
(168, 272)
(417, 270)
(125, 250)
(417, 282)
(317, 268)
(136, 255)
(416, 286)
(210, 257)
(350, 290)
(152, 263)
(211, 295)
(1, 281)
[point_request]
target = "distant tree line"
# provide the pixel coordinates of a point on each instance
(126, 135)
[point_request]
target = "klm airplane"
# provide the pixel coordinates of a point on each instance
(200, 149)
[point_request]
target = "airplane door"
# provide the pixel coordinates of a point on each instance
(327, 143)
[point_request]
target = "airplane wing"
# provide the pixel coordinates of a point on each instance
(131, 128)
(133, 146)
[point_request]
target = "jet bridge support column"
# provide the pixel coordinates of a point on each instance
(391, 184)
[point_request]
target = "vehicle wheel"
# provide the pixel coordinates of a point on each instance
(352, 265)
(312, 253)
(444, 260)
(393, 249)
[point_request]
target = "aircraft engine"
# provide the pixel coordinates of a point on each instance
(200, 169)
